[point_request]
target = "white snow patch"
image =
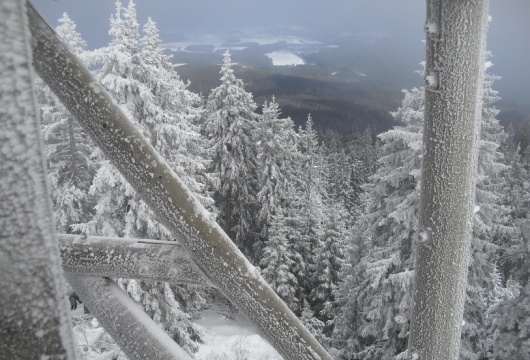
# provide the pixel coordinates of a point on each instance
(476, 210)
(285, 58)
(488, 64)
(361, 74)
(180, 64)
(226, 338)
(274, 39)
(233, 48)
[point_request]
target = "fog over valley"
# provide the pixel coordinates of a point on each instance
(377, 42)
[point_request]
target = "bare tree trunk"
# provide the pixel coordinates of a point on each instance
(456, 33)
(172, 202)
(34, 319)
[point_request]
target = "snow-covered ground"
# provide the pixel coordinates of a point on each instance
(232, 339)
(224, 339)
(284, 58)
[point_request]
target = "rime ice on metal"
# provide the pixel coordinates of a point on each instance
(452, 114)
(151, 260)
(34, 322)
(174, 205)
(132, 329)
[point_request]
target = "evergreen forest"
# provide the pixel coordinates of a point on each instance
(329, 218)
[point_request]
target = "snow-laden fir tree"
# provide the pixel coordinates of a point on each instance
(490, 226)
(379, 278)
(68, 148)
(172, 114)
(144, 84)
(362, 150)
(327, 264)
(342, 170)
(375, 298)
(510, 324)
(230, 123)
(119, 64)
(277, 161)
(310, 207)
(313, 324)
(277, 261)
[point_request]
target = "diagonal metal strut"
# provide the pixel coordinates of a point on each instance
(174, 205)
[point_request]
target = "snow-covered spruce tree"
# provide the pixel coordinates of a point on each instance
(68, 149)
(143, 84)
(172, 115)
(510, 328)
(230, 123)
(523, 136)
(115, 197)
(326, 267)
(310, 207)
(277, 160)
(378, 282)
(341, 172)
(363, 149)
(313, 324)
(490, 227)
(381, 264)
(277, 261)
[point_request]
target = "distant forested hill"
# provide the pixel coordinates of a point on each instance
(335, 99)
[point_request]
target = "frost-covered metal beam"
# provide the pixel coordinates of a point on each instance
(130, 258)
(174, 205)
(456, 34)
(133, 330)
(34, 319)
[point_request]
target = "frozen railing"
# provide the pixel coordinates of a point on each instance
(153, 260)
(216, 260)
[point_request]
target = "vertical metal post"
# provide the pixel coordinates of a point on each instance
(456, 32)
(34, 319)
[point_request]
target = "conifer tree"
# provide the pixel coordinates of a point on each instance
(230, 124)
(144, 84)
(68, 148)
(277, 157)
(117, 203)
(490, 225)
(310, 208)
(509, 326)
(172, 115)
(342, 168)
(381, 280)
(277, 261)
(380, 275)
(328, 262)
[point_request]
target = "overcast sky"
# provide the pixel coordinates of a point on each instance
(508, 36)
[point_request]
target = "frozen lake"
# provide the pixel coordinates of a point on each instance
(285, 58)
